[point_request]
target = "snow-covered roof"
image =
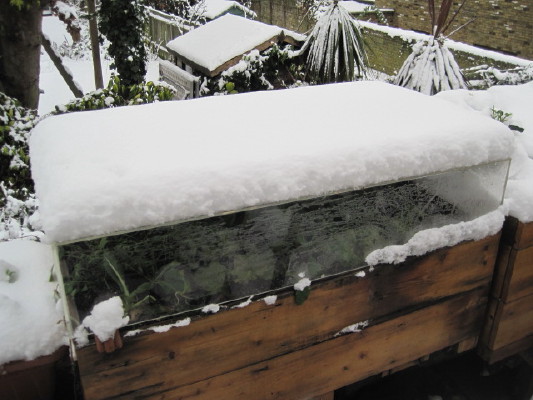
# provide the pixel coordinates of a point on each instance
(106, 171)
(219, 44)
(212, 9)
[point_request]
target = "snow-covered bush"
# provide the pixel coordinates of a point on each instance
(431, 67)
(334, 49)
(256, 71)
(116, 94)
(483, 76)
(17, 201)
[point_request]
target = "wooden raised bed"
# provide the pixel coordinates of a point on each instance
(509, 326)
(289, 351)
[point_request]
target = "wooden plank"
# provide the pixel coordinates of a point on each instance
(236, 338)
(342, 360)
(519, 280)
(517, 234)
(492, 356)
(515, 322)
(467, 344)
(501, 269)
(327, 396)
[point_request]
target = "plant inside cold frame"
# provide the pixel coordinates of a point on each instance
(334, 49)
(431, 67)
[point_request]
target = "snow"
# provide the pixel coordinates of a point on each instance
(31, 318)
(302, 284)
(219, 41)
(55, 90)
(360, 274)
(105, 318)
(245, 303)
(270, 300)
(160, 328)
(435, 238)
(211, 308)
(411, 36)
(119, 178)
(355, 328)
(212, 9)
(518, 101)
(353, 6)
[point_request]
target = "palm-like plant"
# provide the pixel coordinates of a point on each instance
(431, 67)
(334, 48)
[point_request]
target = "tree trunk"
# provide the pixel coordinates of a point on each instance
(20, 51)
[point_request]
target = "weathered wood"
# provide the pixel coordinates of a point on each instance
(234, 339)
(519, 278)
(342, 360)
(517, 234)
(501, 270)
(513, 322)
(492, 356)
(467, 344)
(327, 396)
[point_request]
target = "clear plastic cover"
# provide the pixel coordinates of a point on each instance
(171, 269)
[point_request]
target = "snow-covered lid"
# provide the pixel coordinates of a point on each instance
(120, 169)
(212, 45)
(212, 9)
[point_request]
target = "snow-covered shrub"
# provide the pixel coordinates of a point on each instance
(17, 201)
(483, 76)
(256, 71)
(334, 49)
(431, 67)
(116, 94)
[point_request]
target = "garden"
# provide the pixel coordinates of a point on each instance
(230, 244)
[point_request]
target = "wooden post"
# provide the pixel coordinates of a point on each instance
(73, 86)
(95, 45)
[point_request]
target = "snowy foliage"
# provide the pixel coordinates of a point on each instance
(17, 202)
(430, 68)
(483, 76)
(254, 72)
(334, 48)
(117, 94)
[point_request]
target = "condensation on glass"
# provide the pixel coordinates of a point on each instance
(171, 269)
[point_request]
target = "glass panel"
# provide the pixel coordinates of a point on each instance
(192, 264)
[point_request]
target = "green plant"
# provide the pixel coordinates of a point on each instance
(116, 94)
(122, 22)
(500, 115)
(130, 299)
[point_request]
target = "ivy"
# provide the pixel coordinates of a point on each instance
(122, 22)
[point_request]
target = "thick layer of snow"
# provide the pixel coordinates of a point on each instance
(435, 238)
(31, 318)
(106, 171)
(219, 41)
(411, 36)
(105, 318)
(517, 100)
(212, 9)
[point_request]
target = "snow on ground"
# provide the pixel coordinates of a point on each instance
(517, 100)
(55, 90)
(196, 164)
(31, 319)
